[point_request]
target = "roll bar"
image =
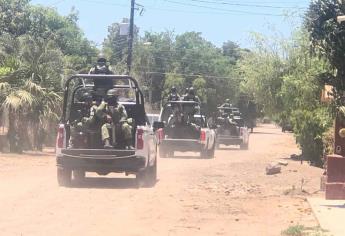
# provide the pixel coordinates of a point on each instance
(139, 95)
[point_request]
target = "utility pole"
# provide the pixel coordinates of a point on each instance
(130, 38)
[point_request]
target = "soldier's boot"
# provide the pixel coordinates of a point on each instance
(127, 131)
(107, 144)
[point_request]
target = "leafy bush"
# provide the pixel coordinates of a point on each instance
(309, 128)
(296, 230)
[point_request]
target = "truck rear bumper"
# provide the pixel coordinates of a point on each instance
(182, 145)
(229, 140)
(105, 161)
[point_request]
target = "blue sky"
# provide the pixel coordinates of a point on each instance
(217, 20)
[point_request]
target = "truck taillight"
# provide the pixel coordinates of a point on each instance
(203, 135)
(60, 136)
(140, 139)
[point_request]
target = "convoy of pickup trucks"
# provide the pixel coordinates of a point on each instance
(122, 138)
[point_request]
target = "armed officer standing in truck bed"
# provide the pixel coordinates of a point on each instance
(190, 109)
(101, 67)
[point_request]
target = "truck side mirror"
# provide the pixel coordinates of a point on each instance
(158, 125)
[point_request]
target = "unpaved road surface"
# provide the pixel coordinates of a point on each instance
(228, 195)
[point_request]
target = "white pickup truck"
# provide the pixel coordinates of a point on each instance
(230, 128)
(183, 136)
(89, 155)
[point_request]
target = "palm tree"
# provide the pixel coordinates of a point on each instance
(29, 90)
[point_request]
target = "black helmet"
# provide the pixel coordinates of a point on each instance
(112, 97)
(111, 93)
(173, 89)
(191, 91)
(101, 59)
(86, 97)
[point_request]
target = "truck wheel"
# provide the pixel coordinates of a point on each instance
(170, 153)
(79, 176)
(204, 153)
(162, 153)
(244, 146)
(147, 177)
(64, 176)
(210, 153)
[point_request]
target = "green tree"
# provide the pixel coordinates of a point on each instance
(13, 17)
(327, 38)
(232, 51)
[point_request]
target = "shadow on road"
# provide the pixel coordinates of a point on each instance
(267, 133)
(334, 206)
(184, 157)
(107, 183)
(229, 149)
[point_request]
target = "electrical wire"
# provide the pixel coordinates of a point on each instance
(218, 11)
(222, 9)
(190, 75)
(246, 4)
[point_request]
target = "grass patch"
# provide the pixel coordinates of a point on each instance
(295, 230)
(300, 230)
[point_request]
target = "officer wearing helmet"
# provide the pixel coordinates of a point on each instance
(117, 131)
(191, 96)
(84, 122)
(101, 67)
(173, 96)
(190, 109)
(226, 104)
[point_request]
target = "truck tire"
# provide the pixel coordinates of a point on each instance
(204, 153)
(64, 176)
(79, 176)
(162, 153)
(170, 153)
(210, 153)
(244, 146)
(147, 177)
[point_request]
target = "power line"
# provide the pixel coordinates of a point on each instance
(56, 3)
(106, 3)
(246, 4)
(191, 75)
(221, 9)
(214, 10)
(261, 2)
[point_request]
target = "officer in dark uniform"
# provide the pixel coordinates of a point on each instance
(173, 96)
(190, 110)
(84, 121)
(101, 67)
(226, 104)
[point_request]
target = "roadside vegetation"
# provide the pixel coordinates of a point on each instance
(301, 230)
(39, 48)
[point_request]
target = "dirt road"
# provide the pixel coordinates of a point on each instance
(228, 195)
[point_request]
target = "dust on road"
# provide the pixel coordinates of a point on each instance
(228, 195)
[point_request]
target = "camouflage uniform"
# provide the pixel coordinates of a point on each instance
(120, 125)
(89, 122)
